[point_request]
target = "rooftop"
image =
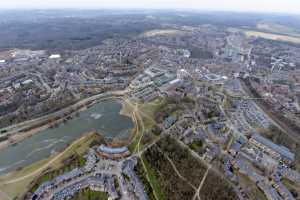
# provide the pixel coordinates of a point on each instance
(280, 149)
(111, 150)
(54, 56)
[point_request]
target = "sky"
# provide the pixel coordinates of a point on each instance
(283, 6)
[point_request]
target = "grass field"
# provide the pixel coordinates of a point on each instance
(154, 182)
(272, 36)
(266, 35)
(144, 118)
(90, 195)
(272, 27)
(163, 32)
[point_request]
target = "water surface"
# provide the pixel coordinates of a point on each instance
(103, 117)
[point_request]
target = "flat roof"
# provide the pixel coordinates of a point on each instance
(112, 150)
(175, 81)
(54, 56)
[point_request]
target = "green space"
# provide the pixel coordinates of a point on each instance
(88, 194)
(196, 145)
(149, 180)
(148, 116)
(153, 180)
(144, 117)
(273, 27)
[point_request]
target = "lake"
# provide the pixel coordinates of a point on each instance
(103, 117)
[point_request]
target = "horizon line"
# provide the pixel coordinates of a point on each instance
(199, 10)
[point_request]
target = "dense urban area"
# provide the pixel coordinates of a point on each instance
(215, 107)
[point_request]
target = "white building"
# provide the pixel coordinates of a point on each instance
(27, 82)
(54, 56)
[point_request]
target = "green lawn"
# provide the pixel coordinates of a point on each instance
(153, 180)
(196, 145)
(88, 194)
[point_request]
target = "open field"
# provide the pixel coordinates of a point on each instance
(15, 184)
(277, 28)
(266, 35)
(149, 110)
(144, 118)
(90, 195)
(272, 36)
(163, 32)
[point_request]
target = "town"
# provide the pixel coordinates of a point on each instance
(225, 102)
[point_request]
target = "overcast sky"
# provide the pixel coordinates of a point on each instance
(288, 6)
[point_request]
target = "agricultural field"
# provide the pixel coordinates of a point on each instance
(272, 36)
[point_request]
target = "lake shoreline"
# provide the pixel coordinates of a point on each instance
(44, 140)
(19, 137)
